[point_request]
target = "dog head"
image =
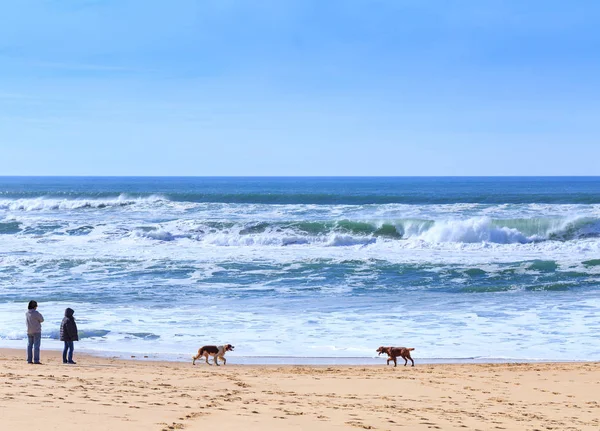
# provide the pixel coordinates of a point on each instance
(229, 348)
(381, 350)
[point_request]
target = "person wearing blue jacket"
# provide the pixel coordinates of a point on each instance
(68, 334)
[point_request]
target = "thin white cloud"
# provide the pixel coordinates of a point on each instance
(82, 66)
(16, 96)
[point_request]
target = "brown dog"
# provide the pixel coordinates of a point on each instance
(214, 351)
(394, 352)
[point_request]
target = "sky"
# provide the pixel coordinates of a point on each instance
(299, 87)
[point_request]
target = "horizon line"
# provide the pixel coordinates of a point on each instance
(300, 176)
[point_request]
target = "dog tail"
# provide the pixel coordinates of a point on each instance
(410, 348)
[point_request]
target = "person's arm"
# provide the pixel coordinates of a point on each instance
(71, 330)
(40, 318)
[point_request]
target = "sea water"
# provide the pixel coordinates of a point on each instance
(459, 268)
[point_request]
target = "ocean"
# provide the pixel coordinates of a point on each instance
(313, 270)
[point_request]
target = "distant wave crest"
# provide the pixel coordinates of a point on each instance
(53, 204)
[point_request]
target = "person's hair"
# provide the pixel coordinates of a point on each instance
(32, 305)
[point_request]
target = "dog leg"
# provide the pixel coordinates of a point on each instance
(395, 363)
(388, 361)
(194, 358)
(224, 360)
(405, 360)
(206, 358)
(216, 361)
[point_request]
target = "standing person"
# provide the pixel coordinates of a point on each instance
(34, 332)
(68, 334)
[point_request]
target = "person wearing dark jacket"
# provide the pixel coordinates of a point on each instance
(68, 334)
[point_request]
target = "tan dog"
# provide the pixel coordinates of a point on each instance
(394, 352)
(215, 351)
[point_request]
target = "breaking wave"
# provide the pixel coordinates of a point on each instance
(350, 233)
(345, 232)
(251, 225)
(53, 204)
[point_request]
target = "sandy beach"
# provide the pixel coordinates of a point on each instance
(116, 394)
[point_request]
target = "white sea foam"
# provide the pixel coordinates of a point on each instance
(472, 231)
(457, 331)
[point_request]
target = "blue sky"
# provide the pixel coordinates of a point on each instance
(224, 87)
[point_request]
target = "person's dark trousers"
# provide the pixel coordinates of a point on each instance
(68, 348)
(33, 347)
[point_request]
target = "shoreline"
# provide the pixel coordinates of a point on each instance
(290, 360)
(296, 360)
